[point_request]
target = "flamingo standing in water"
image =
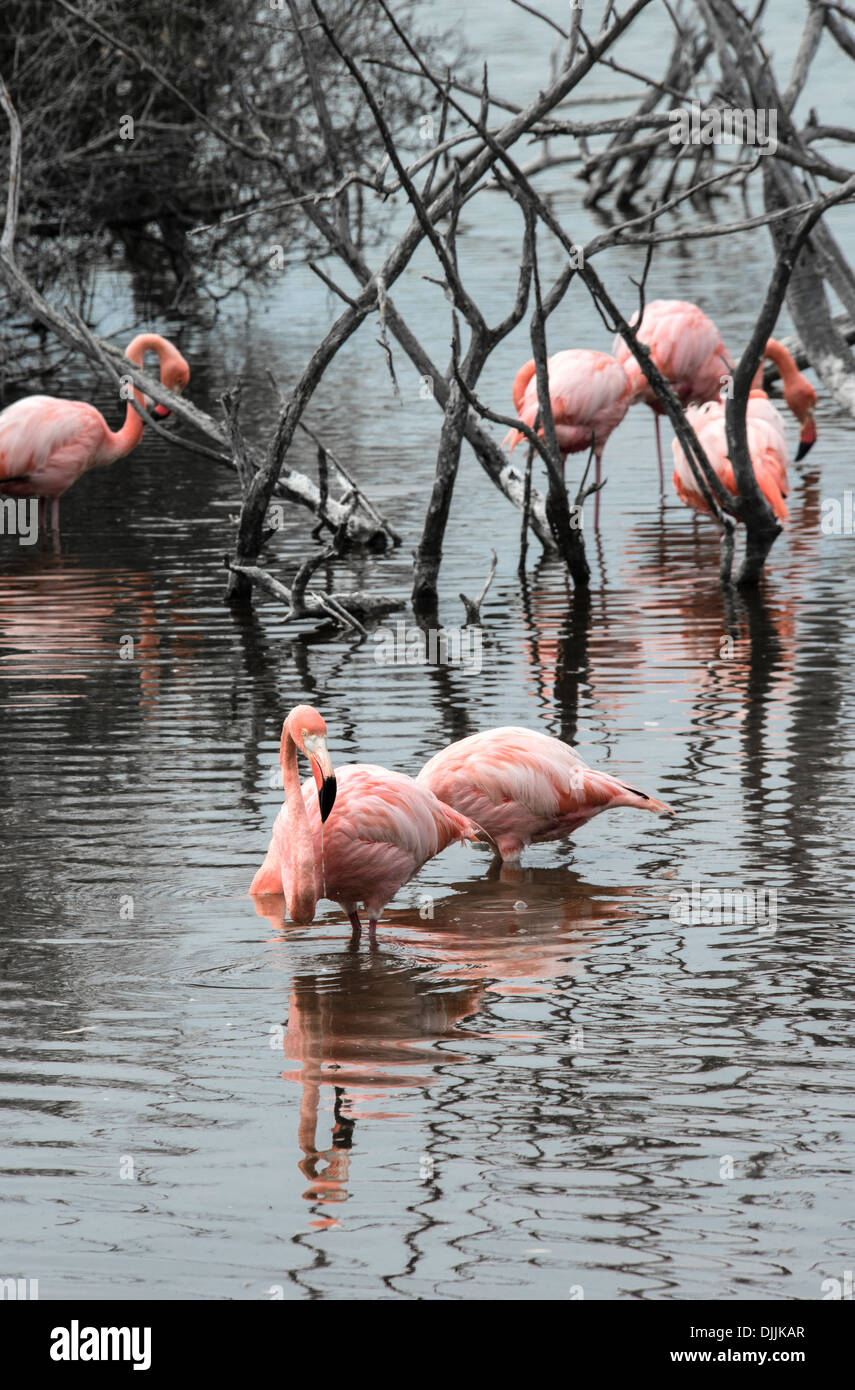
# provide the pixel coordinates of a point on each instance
(46, 443)
(687, 348)
(524, 787)
(767, 442)
(767, 447)
(364, 835)
(589, 393)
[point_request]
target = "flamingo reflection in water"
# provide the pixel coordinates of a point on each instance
(382, 1022)
(64, 624)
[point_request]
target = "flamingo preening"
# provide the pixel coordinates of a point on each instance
(364, 835)
(46, 443)
(688, 349)
(523, 787)
(589, 393)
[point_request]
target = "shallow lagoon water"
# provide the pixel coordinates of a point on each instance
(541, 1089)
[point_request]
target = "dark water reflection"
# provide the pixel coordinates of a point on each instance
(543, 1085)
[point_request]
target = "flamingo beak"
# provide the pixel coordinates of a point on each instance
(162, 412)
(322, 771)
(807, 438)
(326, 796)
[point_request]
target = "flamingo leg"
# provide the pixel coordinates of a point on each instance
(372, 931)
(599, 461)
(659, 456)
(353, 918)
(54, 524)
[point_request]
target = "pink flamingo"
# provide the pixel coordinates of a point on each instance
(767, 443)
(46, 443)
(767, 447)
(524, 787)
(385, 826)
(687, 348)
(589, 393)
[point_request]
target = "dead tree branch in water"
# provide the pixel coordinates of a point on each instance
(746, 87)
(474, 157)
(472, 606)
(760, 524)
(718, 500)
(350, 609)
(469, 173)
(293, 486)
(483, 341)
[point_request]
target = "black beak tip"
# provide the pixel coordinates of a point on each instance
(326, 797)
(803, 449)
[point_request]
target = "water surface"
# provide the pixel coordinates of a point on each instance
(541, 1089)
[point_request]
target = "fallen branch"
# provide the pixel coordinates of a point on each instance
(471, 606)
(348, 609)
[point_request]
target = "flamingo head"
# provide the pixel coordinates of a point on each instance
(798, 393)
(801, 398)
(309, 732)
(175, 374)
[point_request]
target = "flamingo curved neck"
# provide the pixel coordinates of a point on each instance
(301, 878)
(121, 442)
(789, 373)
(777, 353)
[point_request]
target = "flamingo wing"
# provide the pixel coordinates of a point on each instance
(589, 393)
(766, 446)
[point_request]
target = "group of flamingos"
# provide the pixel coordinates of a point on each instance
(359, 837)
(47, 443)
(359, 834)
(590, 392)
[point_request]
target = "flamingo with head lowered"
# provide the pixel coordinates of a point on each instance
(767, 448)
(689, 351)
(354, 836)
(589, 393)
(47, 443)
(799, 395)
(524, 787)
(767, 441)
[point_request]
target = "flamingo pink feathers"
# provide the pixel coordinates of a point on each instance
(589, 393)
(767, 444)
(382, 828)
(767, 447)
(687, 348)
(359, 835)
(685, 345)
(524, 787)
